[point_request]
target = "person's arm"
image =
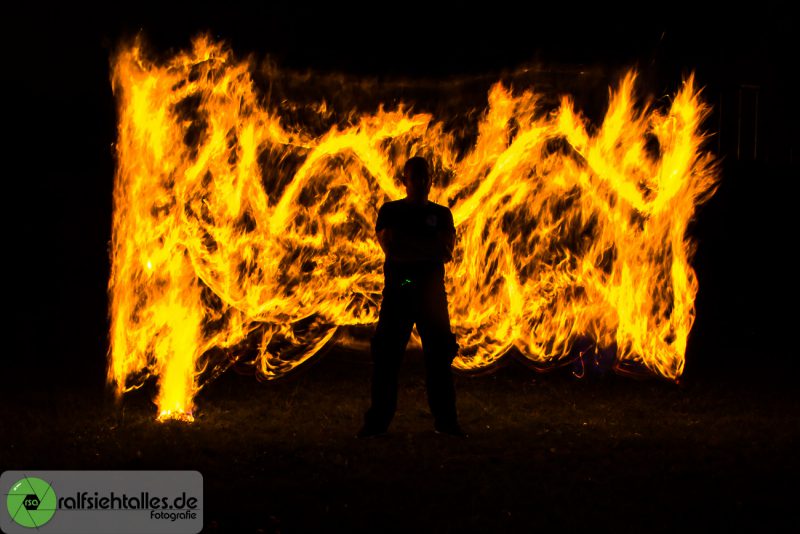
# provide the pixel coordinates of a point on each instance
(448, 241)
(384, 239)
(383, 230)
(447, 236)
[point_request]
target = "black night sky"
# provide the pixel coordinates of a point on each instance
(59, 123)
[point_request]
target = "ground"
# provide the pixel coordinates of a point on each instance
(545, 451)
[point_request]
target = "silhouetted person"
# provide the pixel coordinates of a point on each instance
(418, 237)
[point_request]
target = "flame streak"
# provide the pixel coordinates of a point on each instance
(563, 233)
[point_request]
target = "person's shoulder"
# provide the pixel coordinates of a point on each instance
(392, 204)
(389, 206)
(440, 208)
(443, 213)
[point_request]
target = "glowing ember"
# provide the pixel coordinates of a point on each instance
(241, 233)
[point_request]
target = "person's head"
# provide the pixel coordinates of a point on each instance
(416, 178)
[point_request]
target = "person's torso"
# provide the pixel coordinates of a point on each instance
(416, 221)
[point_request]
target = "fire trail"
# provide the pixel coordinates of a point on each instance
(243, 228)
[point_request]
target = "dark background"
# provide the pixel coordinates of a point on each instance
(716, 450)
(59, 130)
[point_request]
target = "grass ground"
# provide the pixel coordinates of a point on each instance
(545, 452)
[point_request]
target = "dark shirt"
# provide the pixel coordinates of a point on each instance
(421, 222)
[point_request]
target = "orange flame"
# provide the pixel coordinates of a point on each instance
(235, 228)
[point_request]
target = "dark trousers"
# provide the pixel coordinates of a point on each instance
(423, 302)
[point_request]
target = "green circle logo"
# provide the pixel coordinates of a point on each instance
(31, 502)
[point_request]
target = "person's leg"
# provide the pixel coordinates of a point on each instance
(440, 348)
(387, 347)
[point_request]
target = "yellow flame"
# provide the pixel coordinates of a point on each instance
(565, 232)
